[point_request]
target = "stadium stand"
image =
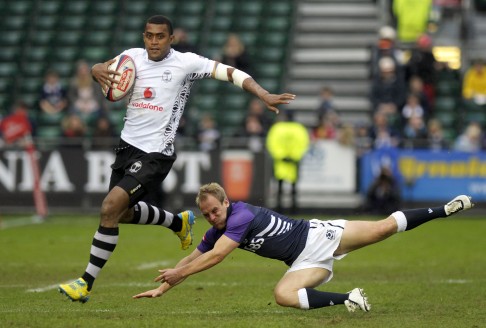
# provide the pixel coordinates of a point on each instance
(296, 46)
(331, 47)
(448, 102)
(38, 35)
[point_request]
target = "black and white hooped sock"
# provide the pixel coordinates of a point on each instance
(144, 213)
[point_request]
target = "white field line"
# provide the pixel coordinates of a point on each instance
(153, 265)
(18, 222)
(42, 289)
(134, 284)
(85, 309)
(194, 283)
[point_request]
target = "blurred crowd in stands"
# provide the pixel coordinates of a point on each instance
(404, 97)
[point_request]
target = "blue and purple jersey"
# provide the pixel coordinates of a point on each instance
(261, 231)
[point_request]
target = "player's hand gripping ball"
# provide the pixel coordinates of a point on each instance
(126, 67)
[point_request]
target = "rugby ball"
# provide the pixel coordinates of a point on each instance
(126, 67)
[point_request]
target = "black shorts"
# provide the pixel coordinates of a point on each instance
(139, 173)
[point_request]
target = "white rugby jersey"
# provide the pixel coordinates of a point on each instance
(158, 97)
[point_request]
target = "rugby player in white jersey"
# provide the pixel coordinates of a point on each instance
(146, 153)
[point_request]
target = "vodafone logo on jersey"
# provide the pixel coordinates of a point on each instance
(148, 94)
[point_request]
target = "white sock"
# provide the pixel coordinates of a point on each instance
(401, 221)
(303, 299)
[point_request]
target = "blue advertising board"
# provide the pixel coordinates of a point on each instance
(425, 175)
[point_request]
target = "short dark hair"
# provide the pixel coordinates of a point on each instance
(162, 20)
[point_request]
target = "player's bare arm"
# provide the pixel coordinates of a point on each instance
(246, 82)
(104, 76)
(164, 287)
(221, 249)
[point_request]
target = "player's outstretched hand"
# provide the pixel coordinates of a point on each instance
(149, 293)
(104, 75)
(272, 100)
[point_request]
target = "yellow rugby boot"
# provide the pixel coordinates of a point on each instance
(185, 235)
(76, 291)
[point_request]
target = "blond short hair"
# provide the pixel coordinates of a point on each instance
(213, 189)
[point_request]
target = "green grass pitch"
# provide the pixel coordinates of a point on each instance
(433, 276)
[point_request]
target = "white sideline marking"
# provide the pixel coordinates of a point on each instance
(137, 284)
(19, 222)
(42, 289)
(457, 281)
(152, 265)
(198, 283)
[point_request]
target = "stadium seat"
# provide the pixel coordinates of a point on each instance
(222, 24)
(31, 99)
(74, 23)
(50, 7)
(32, 85)
(74, 8)
(165, 8)
(9, 54)
(19, 7)
(276, 23)
(268, 70)
(8, 69)
(190, 22)
(116, 118)
(43, 38)
(450, 134)
(275, 39)
(208, 86)
(469, 106)
(236, 102)
(100, 38)
(245, 23)
(103, 8)
(191, 7)
(477, 116)
(447, 118)
(135, 24)
(47, 22)
(445, 103)
(218, 38)
(271, 84)
(251, 8)
(65, 53)
(5, 101)
(205, 103)
(48, 137)
(449, 75)
(14, 22)
(448, 88)
(96, 54)
(12, 38)
(271, 54)
(53, 119)
(131, 39)
(34, 69)
(65, 69)
(279, 8)
(5, 84)
(38, 53)
(249, 39)
(136, 7)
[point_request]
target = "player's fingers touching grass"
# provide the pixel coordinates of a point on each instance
(149, 294)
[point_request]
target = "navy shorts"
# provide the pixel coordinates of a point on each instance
(139, 173)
